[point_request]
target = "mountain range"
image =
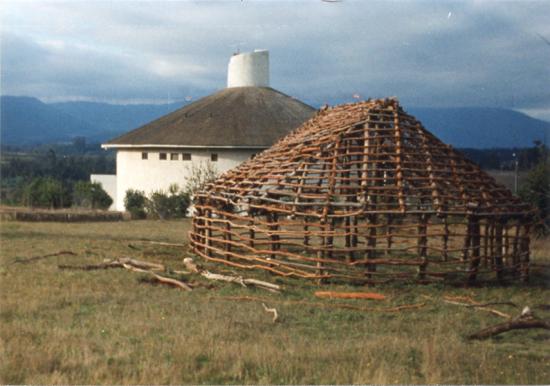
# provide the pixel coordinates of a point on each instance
(28, 121)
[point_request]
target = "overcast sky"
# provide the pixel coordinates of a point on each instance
(427, 53)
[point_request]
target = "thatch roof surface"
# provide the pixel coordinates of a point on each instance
(242, 117)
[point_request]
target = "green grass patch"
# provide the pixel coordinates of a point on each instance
(114, 326)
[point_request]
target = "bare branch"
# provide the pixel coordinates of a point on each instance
(272, 311)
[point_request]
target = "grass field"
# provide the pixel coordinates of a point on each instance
(114, 327)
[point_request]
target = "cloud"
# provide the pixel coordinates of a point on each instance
(485, 54)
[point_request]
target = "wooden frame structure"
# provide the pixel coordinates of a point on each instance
(363, 193)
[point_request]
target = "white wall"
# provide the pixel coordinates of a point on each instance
(108, 183)
(152, 174)
(250, 69)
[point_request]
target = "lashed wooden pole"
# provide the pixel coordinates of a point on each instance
(362, 193)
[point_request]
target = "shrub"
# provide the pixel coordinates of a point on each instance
(134, 202)
(173, 204)
(91, 195)
(536, 191)
(46, 192)
(157, 205)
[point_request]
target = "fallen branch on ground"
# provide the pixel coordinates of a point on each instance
(491, 310)
(92, 267)
(191, 266)
(322, 305)
(34, 258)
(526, 320)
(271, 311)
(134, 266)
(123, 262)
(163, 243)
(349, 295)
(471, 303)
(142, 264)
(171, 282)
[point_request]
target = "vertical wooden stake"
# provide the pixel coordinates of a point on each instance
(506, 252)
(476, 248)
(388, 234)
(467, 242)
(330, 238)
(273, 227)
(516, 260)
(525, 253)
(445, 238)
(227, 238)
(306, 232)
(208, 233)
(422, 245)
(498, 250)
(321, 254)
(349, 255)
(486, 249)
(492, 244)
(355, 232)
(251, 233)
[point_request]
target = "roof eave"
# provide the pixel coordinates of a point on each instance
(107, 146)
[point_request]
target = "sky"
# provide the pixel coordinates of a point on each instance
(427, 53)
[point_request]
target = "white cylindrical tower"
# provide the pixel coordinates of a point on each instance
(249, 69)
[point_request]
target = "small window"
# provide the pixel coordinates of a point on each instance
(144, 155)
(162, 156)
(174, 156)
(186, 156)
(214, 157)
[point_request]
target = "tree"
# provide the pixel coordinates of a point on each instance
(200, 175)
(46, 192)
(91, 195)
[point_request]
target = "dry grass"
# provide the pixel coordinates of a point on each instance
(111, 327)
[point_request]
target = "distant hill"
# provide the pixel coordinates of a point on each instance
(27, 120)
(482, 127)
(111, 120)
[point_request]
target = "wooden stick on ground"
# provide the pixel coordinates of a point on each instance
(479, 307)
(123, 262)
(398, 308)
(349, 295)
(526, 320)
(171, 282)
(34, 258)
(163, 243)
(466, 301)
(91, 267)
(191, 266)
(145, 265)
(134, 266)
(271, 311)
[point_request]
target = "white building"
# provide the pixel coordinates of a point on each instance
(225, 128)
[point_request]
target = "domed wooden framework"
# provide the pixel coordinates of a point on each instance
(364, 193)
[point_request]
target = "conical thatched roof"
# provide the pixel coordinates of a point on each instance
(243, 117)
(373, 154)
(363, 192)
